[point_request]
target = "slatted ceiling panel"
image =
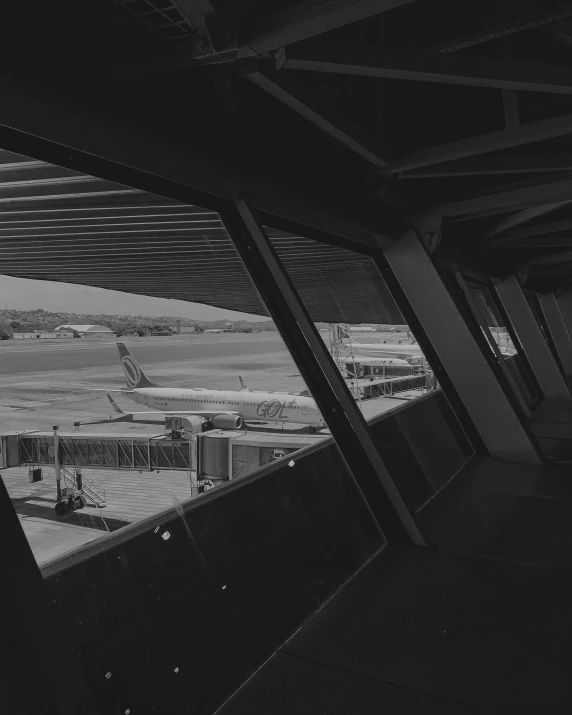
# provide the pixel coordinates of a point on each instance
(332, 280)
(59, 225)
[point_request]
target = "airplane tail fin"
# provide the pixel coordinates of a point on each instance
(115, 405)
(242, 385)
(134, 375)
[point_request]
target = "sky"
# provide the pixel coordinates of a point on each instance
(23, 294)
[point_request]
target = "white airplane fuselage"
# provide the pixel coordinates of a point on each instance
(377, 360)
(252, 406)
(390, 349)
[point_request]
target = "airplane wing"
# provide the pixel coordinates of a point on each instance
(107, 390)
(155, 418)
(185, 413)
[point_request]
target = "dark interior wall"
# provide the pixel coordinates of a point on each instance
(175, 613)
(178, 616)
(423, 446)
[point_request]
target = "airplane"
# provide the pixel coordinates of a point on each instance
(224, 409)
(410, 353)
(147, 417)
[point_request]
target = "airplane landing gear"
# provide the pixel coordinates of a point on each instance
(72, 500)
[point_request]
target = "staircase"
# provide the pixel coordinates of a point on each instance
(89, 487)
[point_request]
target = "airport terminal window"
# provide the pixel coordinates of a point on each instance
(502, 340)
(358, 320)
(538, 313)
(123, 458)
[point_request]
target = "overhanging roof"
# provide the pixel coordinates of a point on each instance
(60, 225)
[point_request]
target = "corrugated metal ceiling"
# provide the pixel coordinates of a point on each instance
(59, 225)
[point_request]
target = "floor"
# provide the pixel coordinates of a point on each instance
(552, 426)
(130, 495)
(49, 539)
(479, 622)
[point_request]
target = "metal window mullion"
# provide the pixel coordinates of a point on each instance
(321, 375)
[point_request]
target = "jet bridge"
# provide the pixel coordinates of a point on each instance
(98, 451)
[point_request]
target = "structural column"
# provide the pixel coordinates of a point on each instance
(493, 415)
(533, 343)
(321, 375)
(564, 300)
(558, 330)
(39, 672)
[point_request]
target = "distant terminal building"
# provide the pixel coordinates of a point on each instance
(89, 331)
(43, 334)
(361, 329)
(212, 331)
(183, 329)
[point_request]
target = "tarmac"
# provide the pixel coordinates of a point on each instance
(47, 383)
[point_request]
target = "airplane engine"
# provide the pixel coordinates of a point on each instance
(228, 422)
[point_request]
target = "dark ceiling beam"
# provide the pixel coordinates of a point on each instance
(485, 143)
(511, 18)
(535, 242)
(496, 211)
(307, 19)
(496, 165)
(36, 121)
(550, 260)
(538, 230)
(506, 196)
(526, 215)
(289, 90)
(422, 66)
(194, 11)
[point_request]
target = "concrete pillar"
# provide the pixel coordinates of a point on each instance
(533, 343)
(564, 300)
(558, 330)
(501, 429)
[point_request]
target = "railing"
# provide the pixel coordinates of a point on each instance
(89, 487)
(220, 581)
(108, 452)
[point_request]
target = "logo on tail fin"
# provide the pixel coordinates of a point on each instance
(134, 375)
(132, 371)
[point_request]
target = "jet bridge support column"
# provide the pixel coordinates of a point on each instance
(533, 342)
(321, 375)
(455, 346)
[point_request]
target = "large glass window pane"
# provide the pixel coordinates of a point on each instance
(149, 349)
(502, 340)
(359, 321)
(538, 313)
(417, 434)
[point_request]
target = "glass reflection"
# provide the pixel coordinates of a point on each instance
(500, 337)
(375, 351)
(117, 407)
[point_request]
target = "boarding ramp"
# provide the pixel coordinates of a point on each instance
(89, 487)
